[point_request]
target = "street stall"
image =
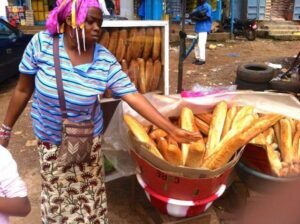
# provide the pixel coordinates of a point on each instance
(184, 180)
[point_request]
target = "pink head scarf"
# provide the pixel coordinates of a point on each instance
(77, 9)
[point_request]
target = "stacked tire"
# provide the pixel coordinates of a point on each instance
(255, 77)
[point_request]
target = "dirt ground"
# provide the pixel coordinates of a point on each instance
(219, 69)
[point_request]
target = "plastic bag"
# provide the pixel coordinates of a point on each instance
(198, 90)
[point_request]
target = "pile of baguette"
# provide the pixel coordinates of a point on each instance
(224, 132)
(282, 145)
(138, 50)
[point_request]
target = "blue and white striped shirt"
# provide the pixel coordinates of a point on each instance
(82, 84)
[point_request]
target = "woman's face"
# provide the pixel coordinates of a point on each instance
(93, 23)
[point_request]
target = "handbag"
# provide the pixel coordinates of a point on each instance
(77, 137)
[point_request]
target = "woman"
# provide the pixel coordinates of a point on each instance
(76, 193)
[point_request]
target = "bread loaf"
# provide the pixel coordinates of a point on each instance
(134, 72)
(124, 66)
(158, 133)
(157, 68)
(203, 127)
(130, 46)
(156, 44)
(138, 44)
(148, 43)
(244, 111)
(186, 121)
(286, 140)
(229, 119)
(274, 160)
(296, 146)
(196, 154)
(142, 80)
(122, 43)
(149, 74)
(140, 133)
(113, 41)
(216, 127)
(226, 149)
(170, 152)
(104, 39)
(206, 117)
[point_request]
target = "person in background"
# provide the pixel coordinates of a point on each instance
(202, 16)
(110, 7)
(13, 192)
(141, 10)
(74, 193)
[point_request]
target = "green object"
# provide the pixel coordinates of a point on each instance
(108, 167)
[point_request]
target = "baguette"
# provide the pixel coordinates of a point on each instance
(142, 77)
(140, 133)
(229, 118)
(158, 133)
(138, 43)
(274, 160)
(203, 127)
(133, 72)
(186, 121)
(244, 111)
(171, 153)
(149, 74)
(286, 140)
(156, 44)
(216, 127)
(130, 45)
(296, 146)
(269, 136)
(293, 126)
(157, 68)
(121, 46)
(148, 43)
(226, 149)
(196, 154)
(124, 66)
(206, 117)
(104, 40)
(113, 41)
(171, 141)
(277, 133)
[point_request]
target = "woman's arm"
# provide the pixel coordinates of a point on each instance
(140, 104)
(18, 102)
(15, 206)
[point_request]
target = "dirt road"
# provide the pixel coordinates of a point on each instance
(219, 70)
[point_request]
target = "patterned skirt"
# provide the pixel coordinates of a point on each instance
(72, 194)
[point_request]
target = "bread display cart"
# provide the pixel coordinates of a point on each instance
(138, 44)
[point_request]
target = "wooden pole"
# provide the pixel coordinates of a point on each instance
(182, 49)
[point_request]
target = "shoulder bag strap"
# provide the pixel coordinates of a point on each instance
(60, 88)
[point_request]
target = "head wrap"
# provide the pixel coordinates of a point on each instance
(77, 9)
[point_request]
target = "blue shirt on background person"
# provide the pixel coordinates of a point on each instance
(204, 25)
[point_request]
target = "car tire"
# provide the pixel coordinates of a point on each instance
(285, 86)
(255, 73)
(243, 85)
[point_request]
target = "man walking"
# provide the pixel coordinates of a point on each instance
(202, 16)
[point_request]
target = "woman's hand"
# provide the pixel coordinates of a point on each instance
(183, 136)
(139, 103)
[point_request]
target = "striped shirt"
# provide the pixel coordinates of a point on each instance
(82, 84)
